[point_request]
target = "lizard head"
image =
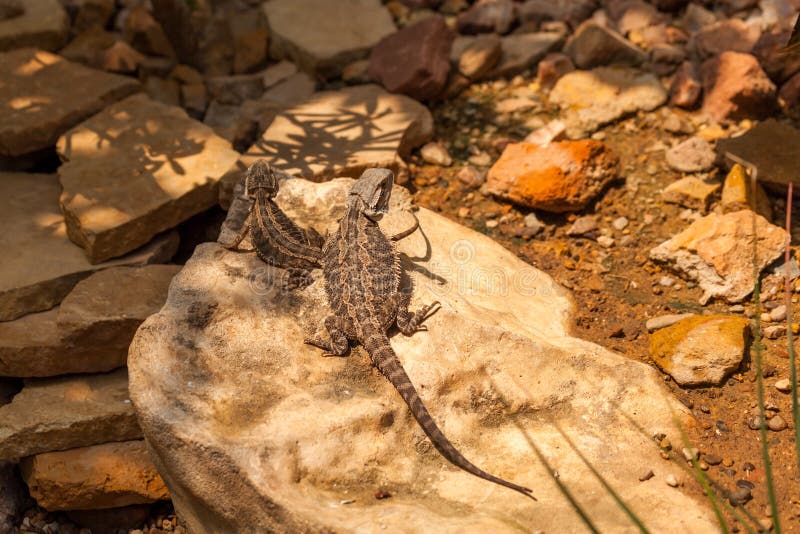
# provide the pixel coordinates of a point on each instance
(370, 194)
(259, 175)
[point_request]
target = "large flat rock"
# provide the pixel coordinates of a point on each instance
(46, 95)
(134, 170)
(41, 265)
(321, 36)
(63, 413)
(287, 437)
(40, 23)
(91, 331)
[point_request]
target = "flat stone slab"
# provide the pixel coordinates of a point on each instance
(773, 147)
(91, 331)
(46, 95)
(134, 170)
(341, 133)
(33, 23)
(63, 413)
(286, 436)
(94, 478)
(322, 37)
(41, 265)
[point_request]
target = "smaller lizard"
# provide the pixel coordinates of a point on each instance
(276, 238)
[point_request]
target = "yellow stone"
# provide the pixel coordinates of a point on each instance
(737, 193)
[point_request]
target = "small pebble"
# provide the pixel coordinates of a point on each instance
(666, 281)
(740, 496)
(691, 453)
(736, 308)
(582, 225)
(481, 159)
(777, 423)
(436, 154)
(778, 314)
(470, 176)
(620, 223)
(775, 331)
(492, 223)
(463, 212)
(663, 321)
(747, 466)
(605, 241)
(533, 223)
(712, 459)
(784, 385)
(766, 524)
(647, 476)
(671, 481)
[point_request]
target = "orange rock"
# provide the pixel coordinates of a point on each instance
(558, 177)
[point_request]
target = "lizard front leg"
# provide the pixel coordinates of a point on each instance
(410, 322)
(338, 344)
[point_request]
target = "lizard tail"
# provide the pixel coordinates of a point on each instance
(385, 359)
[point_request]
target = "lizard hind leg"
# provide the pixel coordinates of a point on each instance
(337, 344)
(410, 322)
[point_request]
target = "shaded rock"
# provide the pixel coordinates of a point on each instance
(88, 46)
(62, 413)
(593, 98)
(249, 31)
(561, 176)
(480, 56)
(310, 140)
(778, 66)
(47, 96)
(692, 155)
(737, 194)
(92, 13)
(357, 72)
(701, 350)
(593, 45)
(162, 90)
(223, 412)
(233, 90)
(91, 330)
(773, 147)
(145, 34)
(415, 60)
(667, 57)
(735, 87)
(35, 228)
(790, 93)
(42, 24)
(120, 57)
(686, 86)
(573, 12)
(89, 478)
(551, 68)
(159, 169)
(717, 252)
(291, 91)
(319, 35)
(194, 98)
(726, 35)
(523, 50)
(486, 16)
(229, 123)
(13, 498)
(691, 192)
(110, 519)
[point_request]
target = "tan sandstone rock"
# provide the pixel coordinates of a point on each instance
(40, 23)
(134, 170)
(691, 191)
(285, 436)
(62, 413)
(717, 251)
(46, 95)
(738, 194)
(46, 265)
(91, 330)
(96, 477)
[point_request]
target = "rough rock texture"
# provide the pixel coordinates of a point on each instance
(158, 169)
(558, 177)
(47, 95)
(523, 50)
(37, 23)
(90, 478)
(91, 330)
(735, 87)
(284, 434)
(691, 191)
(692, 155)
(34, 228)
(323, 36)
(62, 413)
(731, 34)
(341, 133)
(717, 252)
(415, 60)
(602, 95)
(773, 147)
(593, 45)
(701, 350)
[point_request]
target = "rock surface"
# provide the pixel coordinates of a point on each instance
(93, 478)
(91, 330)
(479, 55)
(558, 177)
(158, 169)
(773, 147)
(34, 228)
(735, 87)
(738, 194)
(691, 155)
(593, 45)
(486, 16)
(727, 35)
(47, 95)
(267, 416)
(593, 98)
(692, 192)
(717, 252)
(38, 23)
(523, 50)
(321, 36)
(701, 350)
(63, 413)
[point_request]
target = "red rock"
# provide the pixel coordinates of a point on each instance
(552, 67)
(790, 93)
(736, 87)
(559, 177)
(487, 16)
(727, 35)
(686, 86)
(779, 67)
(415, 60)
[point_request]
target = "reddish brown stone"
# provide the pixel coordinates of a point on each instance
(686, 87)
(736, 87)
(727, 35)
(487, 16)
(415, 60)
(778, 66)
(559, 177)
(790, 93)
(553, 67)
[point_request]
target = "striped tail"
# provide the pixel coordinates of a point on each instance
(385, 359)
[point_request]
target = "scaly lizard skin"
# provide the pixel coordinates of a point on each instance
(362, 279)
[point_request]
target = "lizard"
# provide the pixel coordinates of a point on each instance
(361, 271)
